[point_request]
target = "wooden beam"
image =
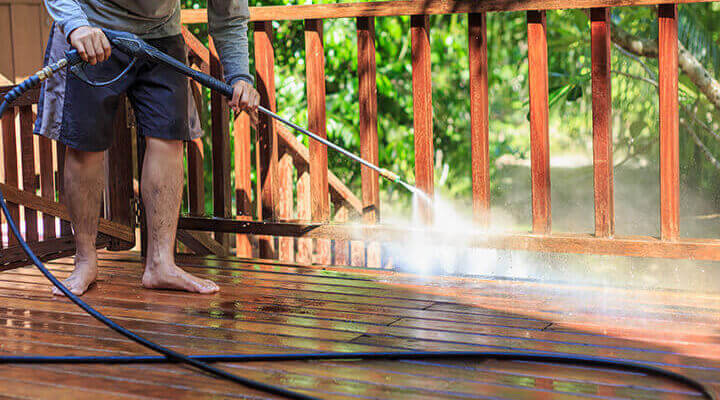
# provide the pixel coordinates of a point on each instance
(422, 111)
(633, 246)
(669, 122)
(315, 73)
(243, 184)
(201, 243)
(411, 7)
(367, 99)
(10, 164)
(539, 139)
(17, 196)
(479, 118)
(27, 162)
(120, 192)
(266, 132)
(15, 257)
(602, 122)
(220, 126)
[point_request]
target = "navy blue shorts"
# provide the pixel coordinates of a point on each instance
(81, 116)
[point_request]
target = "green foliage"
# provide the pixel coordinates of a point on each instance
(635, 115)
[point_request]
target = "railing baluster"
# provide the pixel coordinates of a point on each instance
(539, 140)
(47, 184)
(669, 121)
(196, 169)
(286, 245)
(267, 137)
(243, 185)
(10, 164)
(27, 157)
(315, 71)
(65, 228)
(220, 116)
(422, 110)
(304, 251)
(342, 247)
(367, 93)
(479, 118)
(120, 182)
(602, 114)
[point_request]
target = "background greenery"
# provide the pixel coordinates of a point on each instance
(635, 104)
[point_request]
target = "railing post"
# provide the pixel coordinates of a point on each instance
(479, 118)
(315, 71)
(304, 251)
(196, 168)
(47, 186)
(286, 245)
(267, 137)
(243, 185)
(220, 125)
(602, 114)
(539, 140)
(27, 158)
(422, 111)
(10, 163)
(367, 94)
(120, 178)
(669, 121)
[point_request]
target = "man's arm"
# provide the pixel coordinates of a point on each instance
(90, 42)
(227, 24)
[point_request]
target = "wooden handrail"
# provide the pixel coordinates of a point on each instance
(427, 7)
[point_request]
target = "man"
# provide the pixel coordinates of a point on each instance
(81, 117)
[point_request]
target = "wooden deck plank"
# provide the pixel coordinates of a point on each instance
(274, 307)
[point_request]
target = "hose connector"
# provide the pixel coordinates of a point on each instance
(389, 174)
(51, 69)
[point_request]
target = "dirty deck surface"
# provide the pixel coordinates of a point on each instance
(280, 308)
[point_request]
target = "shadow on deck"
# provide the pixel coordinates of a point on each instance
(279, 308)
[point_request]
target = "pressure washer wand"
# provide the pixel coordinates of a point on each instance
(133, 46)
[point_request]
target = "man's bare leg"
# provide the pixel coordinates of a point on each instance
(162, 185)
(83, 176)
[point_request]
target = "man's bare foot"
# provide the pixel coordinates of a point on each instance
(84, 274)
(170, 276)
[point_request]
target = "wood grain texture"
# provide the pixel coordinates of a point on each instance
(633, 246)
(29, 177)
(17, 196)
(409, 7)
(266, 130)
(315, 76)
(305, 246)
(286, 246)
(602, 122)
(46, 250)
(220, 128)
(243, 184)
(47, 183)
(10, 163)
(65, 229)
(479, 118)
(201, 243)
(539, 139)
(120, 191)
(367, 98)
(341, 248)
(669, 122)
(422, 111)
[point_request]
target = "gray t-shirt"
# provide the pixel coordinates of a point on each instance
(149, 19)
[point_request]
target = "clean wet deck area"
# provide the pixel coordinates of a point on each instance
(279, 308)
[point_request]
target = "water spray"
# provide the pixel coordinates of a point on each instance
(138, 49)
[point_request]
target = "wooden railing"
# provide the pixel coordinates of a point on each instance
(276, 207)
(32, 180)
(302, 220)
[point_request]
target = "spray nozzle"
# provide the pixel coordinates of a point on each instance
(389, 174)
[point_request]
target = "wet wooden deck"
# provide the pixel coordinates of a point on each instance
(276, 308)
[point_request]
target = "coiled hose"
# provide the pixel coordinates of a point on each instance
(201, 362)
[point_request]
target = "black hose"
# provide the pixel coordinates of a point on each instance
(170, 355)
(201, 362)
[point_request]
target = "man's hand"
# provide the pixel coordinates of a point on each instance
(91, 44)
(245, 98)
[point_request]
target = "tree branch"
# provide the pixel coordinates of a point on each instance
(689, 65)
